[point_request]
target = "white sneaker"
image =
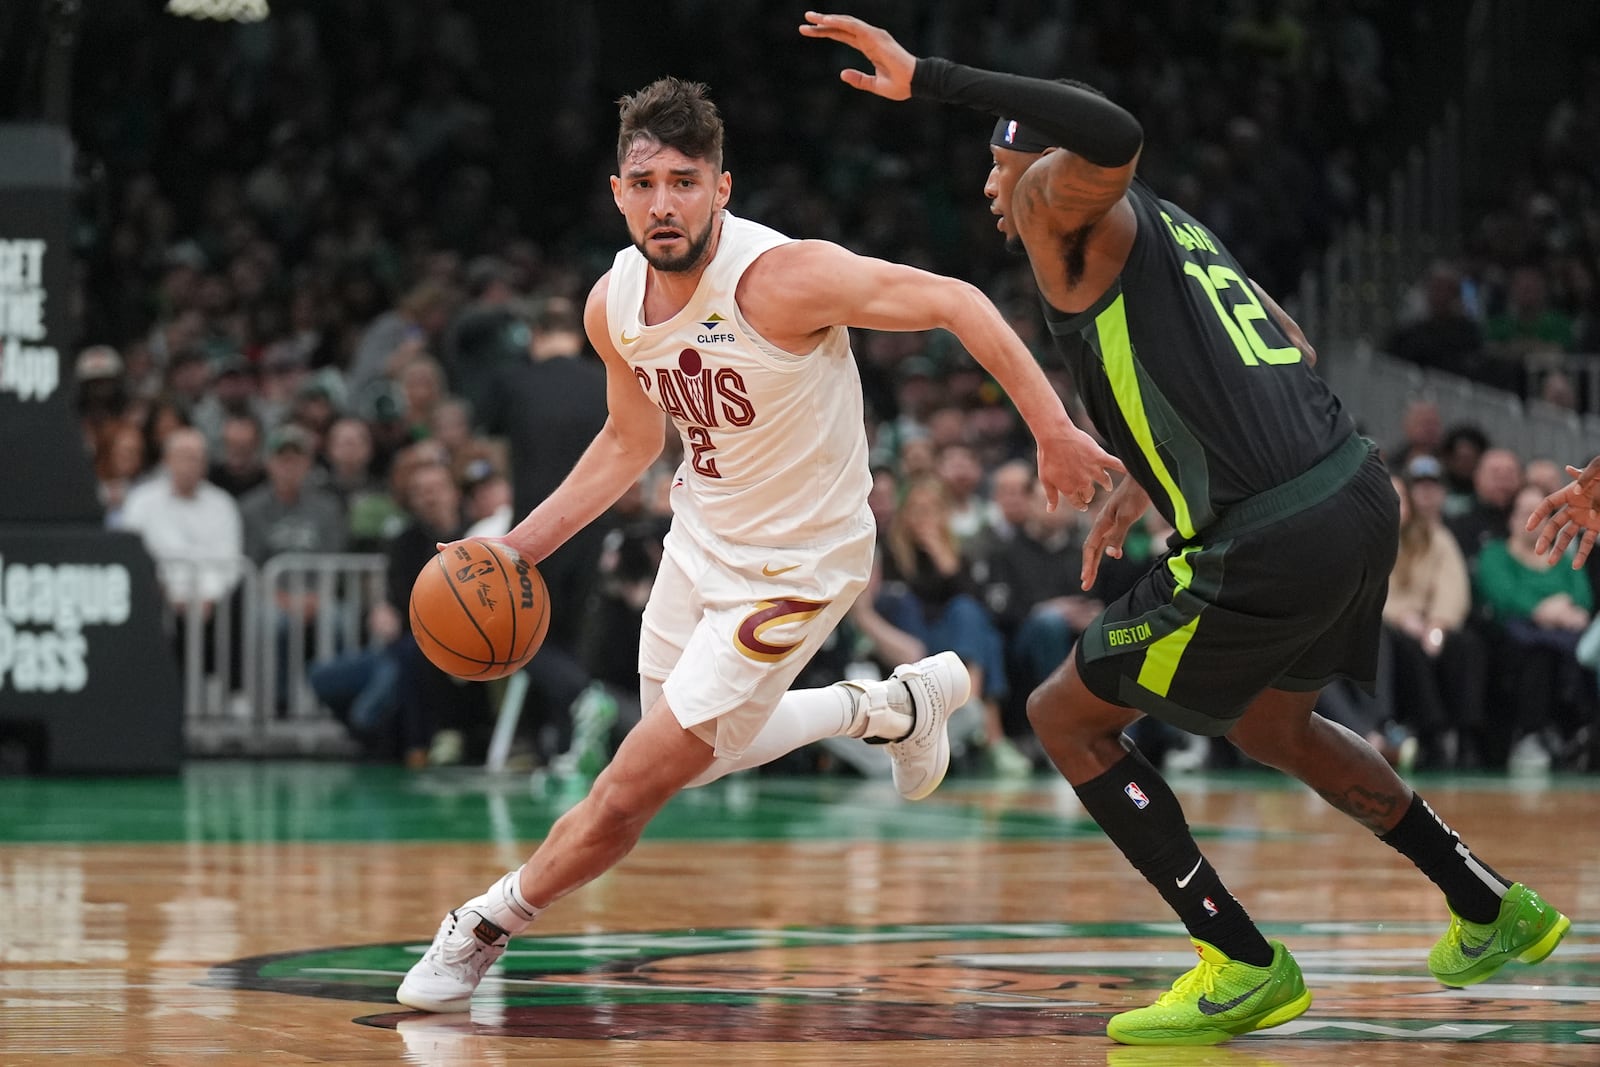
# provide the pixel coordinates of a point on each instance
(465, 947)
(938, 685)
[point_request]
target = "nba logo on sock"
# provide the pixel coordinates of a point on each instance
(1211, 909)
(1136, 795)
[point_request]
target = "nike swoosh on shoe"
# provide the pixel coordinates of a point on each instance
(1211, 1007)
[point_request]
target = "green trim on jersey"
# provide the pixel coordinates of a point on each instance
(1122, 371)
(1162, 657)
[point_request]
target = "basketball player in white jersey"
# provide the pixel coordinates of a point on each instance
(741, 336)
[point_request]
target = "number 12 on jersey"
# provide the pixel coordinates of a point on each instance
(1240, 315)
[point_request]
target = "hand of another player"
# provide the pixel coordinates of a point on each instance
(1071, 465)
(1568, 512)
(892, 65)
(1126, 503)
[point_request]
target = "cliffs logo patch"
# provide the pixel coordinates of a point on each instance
(936, 981)
(1136, 795)
(717, 331)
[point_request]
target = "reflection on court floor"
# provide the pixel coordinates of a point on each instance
(245, 913)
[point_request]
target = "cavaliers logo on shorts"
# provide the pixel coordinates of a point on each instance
(750, 637)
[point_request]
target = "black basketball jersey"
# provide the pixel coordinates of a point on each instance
(1195, 388)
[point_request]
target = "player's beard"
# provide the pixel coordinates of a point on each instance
(1015, 246)
(688, 260)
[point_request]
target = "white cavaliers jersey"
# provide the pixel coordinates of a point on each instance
(774, 444)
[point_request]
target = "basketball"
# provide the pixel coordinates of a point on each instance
(479, 610)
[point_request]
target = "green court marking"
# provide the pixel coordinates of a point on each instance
(852, 983)
(250, 802)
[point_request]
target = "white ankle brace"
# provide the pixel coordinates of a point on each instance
(507, 907)
(883, 710)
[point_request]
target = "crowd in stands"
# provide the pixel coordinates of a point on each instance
(1520, 307)
(318, 320)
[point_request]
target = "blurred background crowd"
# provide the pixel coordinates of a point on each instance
(332, 265)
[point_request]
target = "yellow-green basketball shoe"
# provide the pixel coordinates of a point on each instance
(1526, 929)
(1219, 999)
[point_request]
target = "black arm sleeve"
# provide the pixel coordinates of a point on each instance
(1080, 121)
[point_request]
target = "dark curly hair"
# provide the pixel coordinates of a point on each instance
(675, 114)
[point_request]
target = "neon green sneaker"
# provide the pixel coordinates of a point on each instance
(1527, 929)
(1219, 999)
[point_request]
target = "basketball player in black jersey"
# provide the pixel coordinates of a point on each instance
(1286, 531)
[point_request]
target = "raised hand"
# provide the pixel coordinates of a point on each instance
(1567, 513)
(892, 65)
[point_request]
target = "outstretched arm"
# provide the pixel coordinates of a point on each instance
(630, 440)
(1568, 512)
(799, 289)
(1079, 120)
(1102, 139)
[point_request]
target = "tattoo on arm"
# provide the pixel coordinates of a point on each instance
(1373, 809)
(1078, 188)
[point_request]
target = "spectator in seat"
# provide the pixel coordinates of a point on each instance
(1494, 486)
(102, 391)
(239, 469)
(232, 393)
(1542, 609)
(488, 333)
(1422, 430)
(1011, 493)
(1529, 323)
(1438, 672)
(436, 710)
(929, 593)
(389, 696)
(1034, 595)
(399, 335)
(289, 515)
(1464, 446)
(487, 496)
(971, 511)
(1445, 336)
(192, 530)
(118, 467)
(371, 515)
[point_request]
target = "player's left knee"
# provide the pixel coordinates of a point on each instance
(1044, 706)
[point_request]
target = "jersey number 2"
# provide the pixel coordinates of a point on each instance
(700, 441)
(1239, 319)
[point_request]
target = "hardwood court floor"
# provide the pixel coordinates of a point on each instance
(263, 913)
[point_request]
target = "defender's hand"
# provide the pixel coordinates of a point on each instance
(1127, 502)
(892, 65)
(1566, 513)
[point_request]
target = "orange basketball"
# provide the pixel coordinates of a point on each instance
(479, 610)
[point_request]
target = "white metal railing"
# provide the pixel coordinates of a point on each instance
(1367, 267)
(1377, 387)
(245, 659)
(298, 631)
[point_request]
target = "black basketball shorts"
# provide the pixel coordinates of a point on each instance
(1291, 603)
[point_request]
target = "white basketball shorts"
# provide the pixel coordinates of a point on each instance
(729, 626)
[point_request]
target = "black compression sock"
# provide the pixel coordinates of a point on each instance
(1136, 808)
(1472, 887)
